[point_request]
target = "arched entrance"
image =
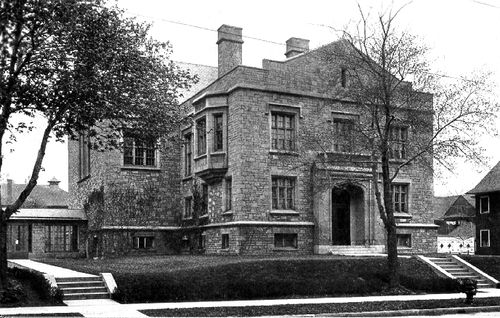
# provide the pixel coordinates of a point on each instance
(347, 216)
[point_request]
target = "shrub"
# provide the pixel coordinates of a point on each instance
(41, 285)
(14, 293)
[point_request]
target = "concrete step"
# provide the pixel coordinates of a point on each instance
(77, 290)
(77, 296)
(94, 283)
(77, 279)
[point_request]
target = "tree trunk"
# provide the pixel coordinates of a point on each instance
(392, 256)
(3, 251)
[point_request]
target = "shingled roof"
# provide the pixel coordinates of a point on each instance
(206, 75)
(454, 208)
(490, 182)
(42, 196)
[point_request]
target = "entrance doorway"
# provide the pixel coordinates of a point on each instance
(341, 217)
(18, 240)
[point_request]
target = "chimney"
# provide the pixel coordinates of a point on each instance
(54, 183)
(296, 46)
(9, 192)
(230, 48)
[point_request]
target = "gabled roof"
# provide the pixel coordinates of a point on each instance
(490, 182)
(453, 208)
(206, 75)
(42, 196)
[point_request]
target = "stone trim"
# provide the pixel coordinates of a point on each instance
(417, 225)
(140, 228)
(257, 223)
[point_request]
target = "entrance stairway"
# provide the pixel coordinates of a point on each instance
(82, 288)
(455, 267)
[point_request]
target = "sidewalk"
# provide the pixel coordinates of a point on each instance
(57, 272)
(109, 308)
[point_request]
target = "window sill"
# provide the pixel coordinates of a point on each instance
(404, 248)
(204, 216)
(402, 215)
(283, 152)
(227, 213)
(218, 153)
(187, 218)
(187, 178)
(141, 168)
(286, 249)
(486, 212)
(284, 212)
(200, 156)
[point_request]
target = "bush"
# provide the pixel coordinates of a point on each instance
(14, 293)
(41, 285)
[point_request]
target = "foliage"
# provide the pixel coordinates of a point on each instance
(41, 285)
(14, 293)
(83, 67)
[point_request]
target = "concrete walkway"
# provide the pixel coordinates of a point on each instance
(57, 272)
(109, 308)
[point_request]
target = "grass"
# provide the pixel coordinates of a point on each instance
(32, 299)
(488, 264)
(193, 278)
(311, 309)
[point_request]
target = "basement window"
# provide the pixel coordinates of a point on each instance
(285, 240)
(143, 242)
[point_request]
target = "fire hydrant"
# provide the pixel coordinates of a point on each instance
(469, 287)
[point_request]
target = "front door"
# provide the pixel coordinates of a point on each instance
(341, 214)
(18, 240)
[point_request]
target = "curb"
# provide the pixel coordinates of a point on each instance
(416, 312)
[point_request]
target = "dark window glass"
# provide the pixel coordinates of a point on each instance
(201, 131)
(283, 193)
(400, 197)
(283, 132)
(225, 241)
(484, 238)
(139, 151)
(398, 142)
(218, 133)
(84, 154)
(188, 155)
(62, 238)
(229, 194)
(204, 206)
(484, 204)
(343, 135)
(404, 240)
(143, 242)
(188, 209)
(285, 240)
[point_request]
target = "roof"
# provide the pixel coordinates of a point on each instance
(452, 208)
(463, 231)
(42, 196)
(206, 75)
(490, 182)
(49, 214)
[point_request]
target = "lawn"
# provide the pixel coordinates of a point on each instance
(488, 264)
(193, 278)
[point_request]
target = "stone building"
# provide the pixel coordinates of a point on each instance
(245, 178)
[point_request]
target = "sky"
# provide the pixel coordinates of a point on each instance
(464, 35)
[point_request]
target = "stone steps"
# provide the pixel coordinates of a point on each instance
(74, 288)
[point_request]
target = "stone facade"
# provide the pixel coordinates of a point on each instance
(254, 197)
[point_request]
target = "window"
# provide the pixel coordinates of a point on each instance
(484, 204)
(400, 197)
(404, 240)
(201, 131)
(84, 155)
(188, 208)
(218, 133)
(202, 241)
(343, 77)
(62, 238)
(283, 132)
(188, 155)
(343, 135)
(204, 205)
(139, 151)
(225, 241)
(229, 194)
(144, 242)
(283, 193)
(398, 142)
(285, 240)
(484, 238)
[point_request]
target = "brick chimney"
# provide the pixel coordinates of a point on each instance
(54, 183)
(230, 44)
(296, 46)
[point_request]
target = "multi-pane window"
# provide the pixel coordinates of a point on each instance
(218, 133)
(204, 196)
(484, 238)
(400, 197)
(283, 131)
(225, 241)
(143, 242)
(139, 151)
(404, 240)
(398, 142)
(188, 155)
(201, 132)
(229, 194)
(84, 155)
(188, 207)
(285, 240)
(343, 135)
(343, 77)
(484, 204)
(62, 238)
(283, 193)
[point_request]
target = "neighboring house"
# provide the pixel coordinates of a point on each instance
(455, 217)
(487, 195)
(43, 226)
(249, 137)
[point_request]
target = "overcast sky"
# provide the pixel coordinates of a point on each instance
(464, 35)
